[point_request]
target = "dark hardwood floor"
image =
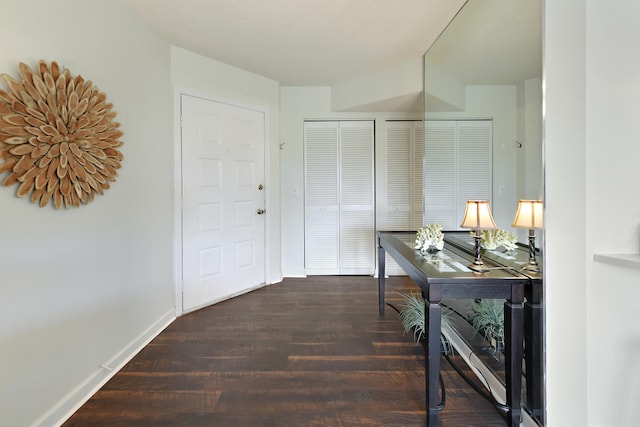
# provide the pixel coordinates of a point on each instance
(301, 353)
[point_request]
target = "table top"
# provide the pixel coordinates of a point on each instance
(448, 268)
(515, 259)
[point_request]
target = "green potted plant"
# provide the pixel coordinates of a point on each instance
(412, 318)
(488, 319)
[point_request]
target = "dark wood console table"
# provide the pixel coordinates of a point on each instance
(443, 276)
(533, 349)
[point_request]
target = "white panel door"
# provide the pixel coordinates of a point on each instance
(223, 223)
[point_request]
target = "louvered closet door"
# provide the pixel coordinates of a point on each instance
(474, 163)
(404, 175)
(403, 206)
(457, 163)
(339, 202)
(357, 239)
(321, 197)
(440, 172)
(398, 206)
(417, 157)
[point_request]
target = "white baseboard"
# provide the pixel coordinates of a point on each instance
(77, 397)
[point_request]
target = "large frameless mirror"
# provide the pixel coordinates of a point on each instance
(487, 65)
(483, 76)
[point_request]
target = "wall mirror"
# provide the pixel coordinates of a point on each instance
(486, 66)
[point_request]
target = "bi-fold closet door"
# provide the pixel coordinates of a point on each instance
(457, 168)
(339, 197)
(401, 204)
(404, 156)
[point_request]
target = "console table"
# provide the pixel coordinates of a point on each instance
(444, 276)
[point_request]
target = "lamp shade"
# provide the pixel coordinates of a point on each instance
(529, 214)
(477, 215)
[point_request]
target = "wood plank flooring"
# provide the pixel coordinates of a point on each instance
(305, 352)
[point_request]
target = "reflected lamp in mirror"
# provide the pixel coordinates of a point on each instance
(477, 216)
(529, 215)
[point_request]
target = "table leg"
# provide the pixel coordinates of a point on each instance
(533, 356)
(513, 328)
(432, 320)
(381, 273)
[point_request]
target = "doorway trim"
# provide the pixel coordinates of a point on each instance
(177, 187)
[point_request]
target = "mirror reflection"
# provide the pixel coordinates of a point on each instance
(483, 140)
(486, 67)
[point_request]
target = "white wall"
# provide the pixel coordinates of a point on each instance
(613, 206)
(591, 154)
(529, 154)
(531, 174)
(82, 284)
(365, 92)
(205, 77)
(565, 272)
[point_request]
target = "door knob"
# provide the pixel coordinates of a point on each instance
(261, 211)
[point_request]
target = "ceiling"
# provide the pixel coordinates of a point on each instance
(301, 42)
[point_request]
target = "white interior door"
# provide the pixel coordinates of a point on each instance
(223, 201)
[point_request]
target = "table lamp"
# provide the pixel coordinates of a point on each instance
(529, 215)
(477, 215)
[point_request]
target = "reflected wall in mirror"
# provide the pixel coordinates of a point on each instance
(487, 66)
(483, 128)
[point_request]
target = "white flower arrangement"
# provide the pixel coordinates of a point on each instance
(492, 239)
(429, 237)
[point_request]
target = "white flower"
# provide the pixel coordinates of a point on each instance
(429, 236)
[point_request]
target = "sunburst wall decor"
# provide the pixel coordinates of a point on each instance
(58, 137)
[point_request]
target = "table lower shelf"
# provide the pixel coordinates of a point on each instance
(474, 349)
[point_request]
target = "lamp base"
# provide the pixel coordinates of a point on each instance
(531, 266)
(478, 267)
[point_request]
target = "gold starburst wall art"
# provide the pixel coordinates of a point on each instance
(58, 138)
